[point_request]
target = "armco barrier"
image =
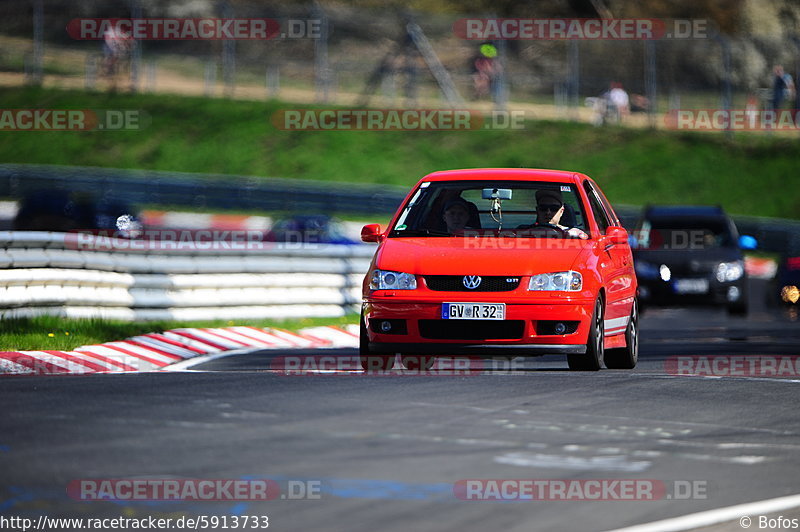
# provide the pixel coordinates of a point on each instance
(55, 274)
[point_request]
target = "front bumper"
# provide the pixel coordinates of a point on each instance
(526, 330)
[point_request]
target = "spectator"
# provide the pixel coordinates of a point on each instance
(619, 103)
(484, 68)
(782, 87)
(116, 49)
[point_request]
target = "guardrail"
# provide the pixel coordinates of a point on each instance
(203, 191)
(83, 276)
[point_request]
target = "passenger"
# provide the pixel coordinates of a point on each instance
(456, 215)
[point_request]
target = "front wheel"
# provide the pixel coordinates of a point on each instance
(371, 361)
(593, 358)
(626, 357)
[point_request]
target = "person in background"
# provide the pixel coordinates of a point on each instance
(484, 68)
(782, 87)
(619, 101)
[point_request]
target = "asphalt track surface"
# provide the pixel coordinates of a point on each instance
(386, 450)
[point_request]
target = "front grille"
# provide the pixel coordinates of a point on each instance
(471, 329)
(454, 283)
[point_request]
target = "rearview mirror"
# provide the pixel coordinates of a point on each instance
(371, 233)
(496, 193)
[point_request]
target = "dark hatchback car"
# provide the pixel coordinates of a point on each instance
(60, 210)
(690, 255)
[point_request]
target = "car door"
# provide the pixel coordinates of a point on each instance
(616, 265)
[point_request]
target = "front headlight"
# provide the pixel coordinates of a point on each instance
(730, 271)
(559, 281)
(388, 280)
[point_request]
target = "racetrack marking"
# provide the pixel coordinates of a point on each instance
(58, 363)
(575, 463)
(439, 439)
(719, 515)
(119, 365)
(188, 339)
(733, 445)
(738, 460)
(11, 367)
(134, 349)
(240, 340)
(165, 350)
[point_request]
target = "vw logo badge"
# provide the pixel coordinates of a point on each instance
(471, 281)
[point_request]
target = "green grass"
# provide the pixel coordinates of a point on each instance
(60, 334)
(747, 175)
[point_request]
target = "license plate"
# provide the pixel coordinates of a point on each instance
(691, 286)
(473, 311)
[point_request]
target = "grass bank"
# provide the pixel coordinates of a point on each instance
(749, 174)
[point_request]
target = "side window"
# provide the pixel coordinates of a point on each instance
(598, 211)
(612, 216)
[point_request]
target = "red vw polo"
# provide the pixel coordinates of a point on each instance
(501, 262)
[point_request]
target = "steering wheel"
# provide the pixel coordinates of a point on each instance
(556, 229)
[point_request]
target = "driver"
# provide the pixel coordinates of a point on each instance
(550, 209)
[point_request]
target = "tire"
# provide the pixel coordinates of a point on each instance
(593, 358)
(417, 362)
(626, 357)
(369, 360)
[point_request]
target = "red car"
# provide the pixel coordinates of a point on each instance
(501, 262)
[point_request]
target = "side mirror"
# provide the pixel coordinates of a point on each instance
(747, 242)
(617, 235)
(371, 233)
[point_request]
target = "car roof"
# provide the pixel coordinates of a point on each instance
(671, 211)
(511, 174)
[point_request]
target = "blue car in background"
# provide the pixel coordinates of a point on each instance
(310, 229)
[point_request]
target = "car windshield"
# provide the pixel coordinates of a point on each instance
(487, 208)
(684, 234)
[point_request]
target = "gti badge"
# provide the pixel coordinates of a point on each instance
(471, 281)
